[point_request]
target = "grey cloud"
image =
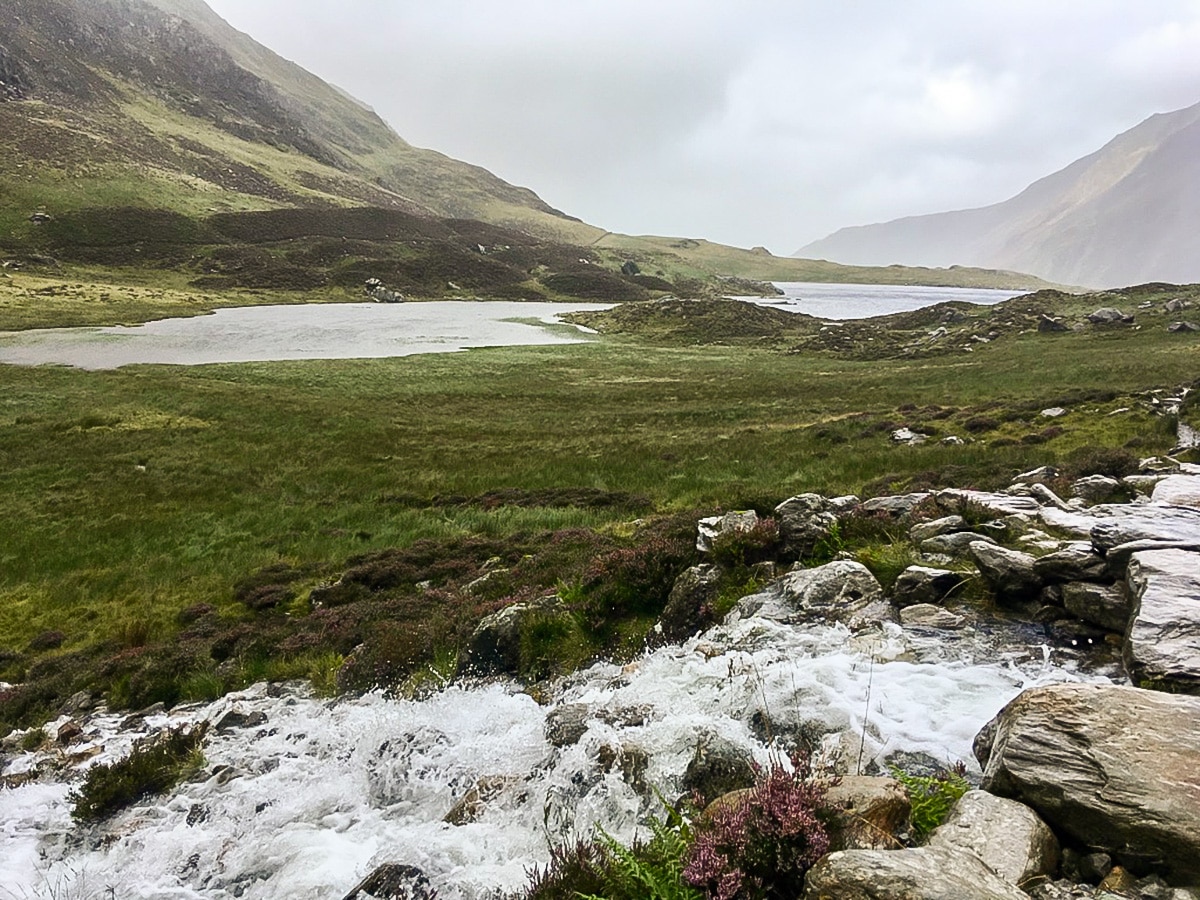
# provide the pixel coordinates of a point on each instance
(770, 122)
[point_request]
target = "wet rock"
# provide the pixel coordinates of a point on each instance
(393, 881)
(1076, 562)
(804, 520)
(712, 527)
(1162, 646)
(1007, 836)
(235, 718)
(627, 758)
(689, 607)
(841, 591)
(474, 803)
(954, 544)
(918, 873)
(867, 813)
(1101, 604)
(566, 724)
(1096, 488)
(1010, 573)
(495, 645)
(1115, 769)
(68, 731)
(922, 584)
(717, 767)
(926, 615)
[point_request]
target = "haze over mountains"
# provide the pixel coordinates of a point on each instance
(1127, 214)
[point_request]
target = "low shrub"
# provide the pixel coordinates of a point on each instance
(932, 797)
(737, 550)
(887, 561)
(763, 844)
(154, 766)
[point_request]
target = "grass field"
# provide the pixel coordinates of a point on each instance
(133, 495)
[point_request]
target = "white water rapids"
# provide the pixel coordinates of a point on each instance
(324, 791)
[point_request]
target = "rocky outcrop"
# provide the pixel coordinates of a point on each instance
(1162, 647)
(495, 645)
(1007, 836)
(1076, 562)
(718, 767)
(841, 591)
(393, 881)
(1115, 769)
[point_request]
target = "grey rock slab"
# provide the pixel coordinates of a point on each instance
(1114, 768)
(1162, 645)
(954, 544)
(917, 873)
(1106, 605)
(1121, 524)
(1000, 504)
(897, 505)
(1010, 573)
(1007, 836)
(1075, 562)
(923, 584)
(1178, 490)
(945, 525)
(1095, 487)
(926, 615)
(692, 594)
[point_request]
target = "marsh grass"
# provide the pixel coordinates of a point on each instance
(136, 494)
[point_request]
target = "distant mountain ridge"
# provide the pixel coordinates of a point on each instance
(1127, 214)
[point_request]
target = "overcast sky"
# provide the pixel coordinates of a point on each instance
(750, 122)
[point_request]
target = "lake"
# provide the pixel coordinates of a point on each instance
(861, 301)
(307, 331)
(362, 330)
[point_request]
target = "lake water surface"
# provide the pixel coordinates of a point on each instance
(307, 331)
(361, 330)
(861, 301)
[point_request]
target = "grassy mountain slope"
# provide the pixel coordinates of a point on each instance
(1126, 214)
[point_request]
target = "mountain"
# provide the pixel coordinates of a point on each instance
(152, 133)
(1127, 214)
(161, 102)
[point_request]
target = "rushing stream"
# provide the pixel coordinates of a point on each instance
(307, 802)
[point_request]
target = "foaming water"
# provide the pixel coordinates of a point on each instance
(324, 791)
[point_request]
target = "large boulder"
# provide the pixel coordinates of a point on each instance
(1162, 645)
(841, 591)
(1178, 490)
(1010, 573)
(1008, 836)
(1113, 768)
(718, 767)
(393, 881)
(918, 873)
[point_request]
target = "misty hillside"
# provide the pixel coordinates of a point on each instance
(161, 102)
(1127, 214)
